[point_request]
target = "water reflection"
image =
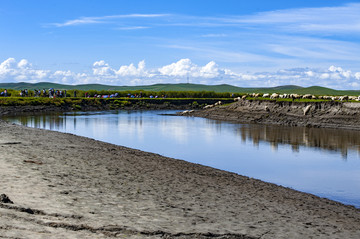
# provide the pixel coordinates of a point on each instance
(306, 159)
(326, 139)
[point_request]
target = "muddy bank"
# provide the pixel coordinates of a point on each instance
(341, 115)
(15, 106)
(28, 109)
(66, 186)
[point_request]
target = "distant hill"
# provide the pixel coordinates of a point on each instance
(316, 90)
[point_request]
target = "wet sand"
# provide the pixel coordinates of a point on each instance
(66, 186)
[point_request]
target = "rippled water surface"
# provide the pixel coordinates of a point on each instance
(325, 162)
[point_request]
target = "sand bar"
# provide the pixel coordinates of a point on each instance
(66, 186)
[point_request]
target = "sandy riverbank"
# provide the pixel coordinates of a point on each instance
(327, 114)
(66, 186)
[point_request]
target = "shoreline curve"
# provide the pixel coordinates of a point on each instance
(63, 185)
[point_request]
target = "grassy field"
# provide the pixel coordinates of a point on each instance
(80, 103)
(315, 90)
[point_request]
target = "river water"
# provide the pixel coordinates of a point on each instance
(324, 162)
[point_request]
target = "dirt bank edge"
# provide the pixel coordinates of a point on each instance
(327, 114)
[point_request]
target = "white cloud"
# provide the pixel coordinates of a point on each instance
(357, 75)
(10, 70)
(185, 68)
(24, 64)
(101, 68)
(133, 71)
(210, 70)
(211, 73)
(344, 19)
(132, 28)
(180, 68)
(324, 76)
(265, 40)
(80, 21)
(7, 65)
(103, 19)
(214, 35)
(338, 19)
(335, 69)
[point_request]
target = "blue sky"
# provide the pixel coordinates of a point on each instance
(244, 43)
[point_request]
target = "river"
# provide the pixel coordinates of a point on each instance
(324, 162)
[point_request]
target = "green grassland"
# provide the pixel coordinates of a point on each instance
(80, 103)
(315, 90)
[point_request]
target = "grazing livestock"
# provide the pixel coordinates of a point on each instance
(274, 96)
(187, 112)
(237, 99)
(327, 97)
(342, 98)
(184, 112)
(307, 96)
(295, 96)
(208, 106)
(353, 97)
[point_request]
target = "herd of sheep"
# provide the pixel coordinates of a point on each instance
(205, 107)
(297, 96)
(282, 96)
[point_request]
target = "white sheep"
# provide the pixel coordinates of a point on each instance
(208, 106)
(353, 97)
(342, 98)
(307, 96)
(274, 96)
(295, 96)
(184, 112)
